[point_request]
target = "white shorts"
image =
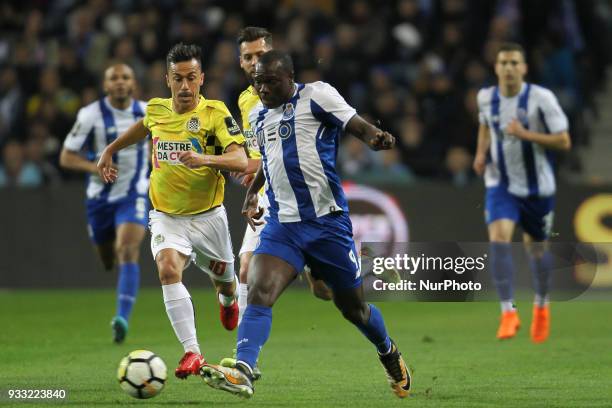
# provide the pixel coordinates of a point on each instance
(251, 238)
(205, 238)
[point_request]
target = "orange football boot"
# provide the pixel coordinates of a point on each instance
(508, 325)
(540, 324)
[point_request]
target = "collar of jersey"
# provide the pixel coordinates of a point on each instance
(201, 103)
(109, 106)
(523, 88)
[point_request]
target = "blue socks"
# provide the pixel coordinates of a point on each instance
(127, 287)
(253, 332)
(502, 269)
(375, 330)
(541, 267)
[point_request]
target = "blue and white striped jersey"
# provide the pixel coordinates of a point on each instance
(524, 168)
(97, 125)
(299, 144)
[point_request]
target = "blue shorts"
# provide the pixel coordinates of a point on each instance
(534, 215)
(325, 244)
(104, 217)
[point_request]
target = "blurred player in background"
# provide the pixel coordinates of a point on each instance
(193, 139)
(298, 128)
(520, 123)
(116, 213)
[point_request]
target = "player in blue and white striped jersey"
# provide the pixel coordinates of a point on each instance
(298, 128)
(520, 125)
(116, 213)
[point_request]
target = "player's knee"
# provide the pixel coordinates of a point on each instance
(169, 272)
(356, 315)
(261, 294)
(127, 252)
(499, 237)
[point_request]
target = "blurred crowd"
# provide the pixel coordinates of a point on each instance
(412, 67)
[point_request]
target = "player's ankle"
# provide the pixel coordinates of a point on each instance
(245, 369)
(226, 301)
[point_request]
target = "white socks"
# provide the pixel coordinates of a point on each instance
(540, 301)
(243, 293)
(180, 312)
(507, 306)
(228, 300)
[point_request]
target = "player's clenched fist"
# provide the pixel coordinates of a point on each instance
(479, 165)
(382, 141)
(192, 159)
(106, 168)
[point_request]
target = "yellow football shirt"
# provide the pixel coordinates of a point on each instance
(246, 102)
(208, 129)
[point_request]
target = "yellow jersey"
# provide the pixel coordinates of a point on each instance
(207, 129)
(246, 102)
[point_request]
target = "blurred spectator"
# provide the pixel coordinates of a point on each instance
(35, 154)
(154, 85)
(355, 158)
(124, 51)
(72, 73)
(47, 148)
(92, 46)
(50, 89)
(389, 169)
(459, 164)
(16, 170)
(10, 103)
(411, 66)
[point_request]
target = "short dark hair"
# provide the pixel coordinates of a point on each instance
(184, 52)
(283, 58)
(511, 46)
(249, 34)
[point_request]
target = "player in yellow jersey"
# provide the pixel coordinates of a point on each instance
(193, 139)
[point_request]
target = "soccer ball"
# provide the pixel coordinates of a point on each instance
(142, 374)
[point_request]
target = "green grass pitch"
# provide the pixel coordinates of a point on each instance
(62, 340)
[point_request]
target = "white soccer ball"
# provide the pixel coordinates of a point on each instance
(142, 374)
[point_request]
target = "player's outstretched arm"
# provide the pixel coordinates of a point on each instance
(234, 159)
(71, 160)
(106, 168)
(253, 166)
(375, 138)
(554, 141)
(250, 208)
(246, 177)
(484, 141)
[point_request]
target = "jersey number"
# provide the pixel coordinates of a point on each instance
(353, 259)
(141, 207)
